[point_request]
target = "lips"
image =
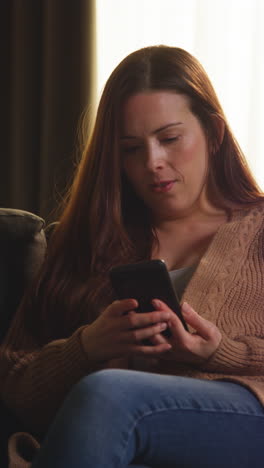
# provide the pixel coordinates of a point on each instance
(162, 185)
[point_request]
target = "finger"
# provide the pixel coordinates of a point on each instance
(140, 334)
(176, 326)
(151, 351)
(203, 327)
(158, 339)
(139, 320)
(121, 307)
(160, 305)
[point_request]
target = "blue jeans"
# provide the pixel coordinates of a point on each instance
(119, 419)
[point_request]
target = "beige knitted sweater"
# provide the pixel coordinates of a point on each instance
(227, 288)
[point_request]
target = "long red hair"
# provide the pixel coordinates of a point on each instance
(103, 223)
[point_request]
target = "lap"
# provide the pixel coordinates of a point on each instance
(172, 391)
(180, 418)
(153, 420)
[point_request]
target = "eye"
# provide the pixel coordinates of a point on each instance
(130, 149)
(170, 139)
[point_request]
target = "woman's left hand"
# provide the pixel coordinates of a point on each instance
(190, 348)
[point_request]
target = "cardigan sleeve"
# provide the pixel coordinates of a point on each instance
(34, 380)
(242, 356)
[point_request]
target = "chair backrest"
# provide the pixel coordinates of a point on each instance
(22, 250)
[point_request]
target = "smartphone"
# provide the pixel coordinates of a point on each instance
(145, 281)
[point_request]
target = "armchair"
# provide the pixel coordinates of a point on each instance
(22, 250)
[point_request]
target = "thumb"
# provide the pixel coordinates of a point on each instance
(120, 307)
(202, 326)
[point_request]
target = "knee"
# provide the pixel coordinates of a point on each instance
(100, 384)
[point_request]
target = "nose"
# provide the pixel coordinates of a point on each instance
(155, 156)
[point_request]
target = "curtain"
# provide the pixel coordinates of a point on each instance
(47, 80)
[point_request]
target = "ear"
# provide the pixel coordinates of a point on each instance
(219, 125)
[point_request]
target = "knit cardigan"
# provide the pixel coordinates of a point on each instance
(227, 288)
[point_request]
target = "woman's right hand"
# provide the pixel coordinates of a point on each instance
(120, 331)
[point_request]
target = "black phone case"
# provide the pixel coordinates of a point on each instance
(145, 281)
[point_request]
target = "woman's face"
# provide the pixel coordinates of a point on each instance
(164, 153)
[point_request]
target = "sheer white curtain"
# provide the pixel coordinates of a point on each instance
(227, 36)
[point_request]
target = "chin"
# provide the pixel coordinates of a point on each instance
(174, 211)
(164, 215)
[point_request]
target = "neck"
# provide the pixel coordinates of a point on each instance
(191, 219)
(202, 210)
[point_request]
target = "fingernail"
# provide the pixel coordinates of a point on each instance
(156, 303)
(133, 303)
(186, 308)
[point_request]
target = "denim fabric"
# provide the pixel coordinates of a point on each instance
(118, 418)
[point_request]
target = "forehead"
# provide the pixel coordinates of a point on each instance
(150, 110)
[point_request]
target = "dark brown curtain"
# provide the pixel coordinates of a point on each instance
(47, 77)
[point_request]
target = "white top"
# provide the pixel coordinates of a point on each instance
(180, 278)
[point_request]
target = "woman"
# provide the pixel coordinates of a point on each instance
(161, 177)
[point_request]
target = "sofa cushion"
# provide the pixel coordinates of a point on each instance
(22, 250)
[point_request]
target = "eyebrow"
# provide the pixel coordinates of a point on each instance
(126, 137)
